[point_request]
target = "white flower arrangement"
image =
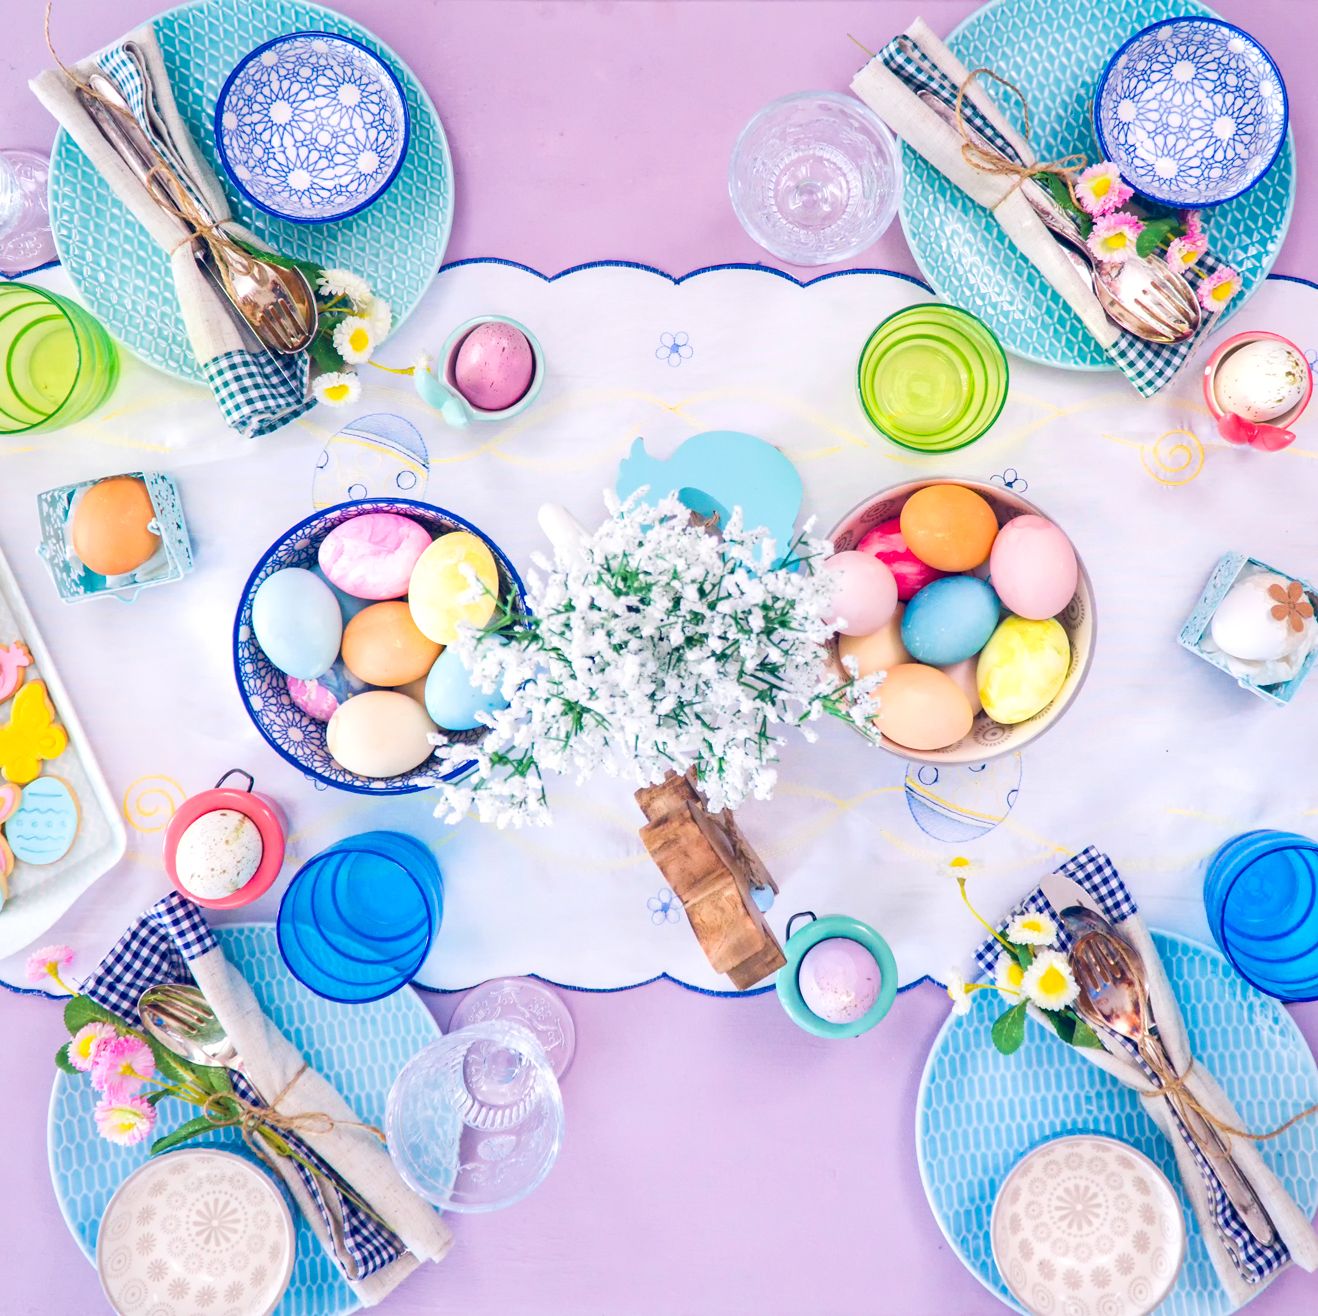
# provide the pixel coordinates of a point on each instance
(652, 647)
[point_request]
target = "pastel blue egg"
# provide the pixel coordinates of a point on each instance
(297, 622)
(42, 829)
(950, 619)
(451, 699)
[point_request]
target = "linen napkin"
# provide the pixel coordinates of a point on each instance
(172, 943)
(257, 391)
(919, 61)
(1242, 1263)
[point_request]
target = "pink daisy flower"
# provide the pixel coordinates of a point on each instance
(1193, 221)
(1184, 253)
(125, 1122)
(1113, 236)
(1100, 189)
(47, 963)
(87, 1041)
(1218, 288)
(121, 1066)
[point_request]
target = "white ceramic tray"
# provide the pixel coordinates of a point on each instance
(38, 895)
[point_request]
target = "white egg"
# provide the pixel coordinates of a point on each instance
(1261, 380)
(218, 854)
(1243, 625)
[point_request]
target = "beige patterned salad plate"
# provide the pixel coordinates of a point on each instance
(1088, 1226)
(195, 1231)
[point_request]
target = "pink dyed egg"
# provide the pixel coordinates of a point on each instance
(494, 366)
(314, 699)
(1033, 568)
(839, 980)
(885, 542)
(864, 593)
(372, 556)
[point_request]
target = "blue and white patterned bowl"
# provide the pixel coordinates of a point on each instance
(290, 732)
(312, 126)
(1192, 111)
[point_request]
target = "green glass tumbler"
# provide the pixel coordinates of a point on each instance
(932, 378)
(57, 364)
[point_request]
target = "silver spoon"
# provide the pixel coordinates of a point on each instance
(1114, 995)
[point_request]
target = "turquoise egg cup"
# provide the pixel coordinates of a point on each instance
(822, 929)
(443, 393)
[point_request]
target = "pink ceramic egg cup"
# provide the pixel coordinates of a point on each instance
(262, 810)
(1267, 435)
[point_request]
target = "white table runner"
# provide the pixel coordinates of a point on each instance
(1160, 759)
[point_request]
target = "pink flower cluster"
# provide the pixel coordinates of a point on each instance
(120, 1066)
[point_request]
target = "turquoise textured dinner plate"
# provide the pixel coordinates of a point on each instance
(396, 243)
(1055, 54)
(978, 1112)
(358, 1048)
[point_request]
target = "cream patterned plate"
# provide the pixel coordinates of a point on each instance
(1088, 1226)
(193, 1230)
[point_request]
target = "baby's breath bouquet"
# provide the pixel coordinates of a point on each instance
(653, 646)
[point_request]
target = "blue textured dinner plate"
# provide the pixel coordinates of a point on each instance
(1056, 53)
(978, 1112)
(396, 243)
(358, 1048)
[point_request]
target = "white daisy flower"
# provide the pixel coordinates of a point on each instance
(1008, 975)
(1049, 982)
(354, 339)
(337, 388)
(958, 991)
(1032, 929)
(381, 317)
(344, 283)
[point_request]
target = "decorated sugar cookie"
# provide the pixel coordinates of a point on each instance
(31, 735)
(10, 796)
(44, 827)
(13, 659)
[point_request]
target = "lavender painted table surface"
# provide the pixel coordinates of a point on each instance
(718, 1159)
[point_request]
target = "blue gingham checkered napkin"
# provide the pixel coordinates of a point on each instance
(1250, 1261)
(157, 949)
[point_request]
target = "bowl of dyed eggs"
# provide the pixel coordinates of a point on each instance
(992, 631)
(341, 639)
(491, 368)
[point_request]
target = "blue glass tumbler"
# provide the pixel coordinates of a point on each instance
(1261, 897)
(358, 919)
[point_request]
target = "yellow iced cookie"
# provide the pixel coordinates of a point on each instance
(32, 734)
(454, 583)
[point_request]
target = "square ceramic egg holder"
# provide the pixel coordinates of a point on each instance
(76, 582)
(1193, 633)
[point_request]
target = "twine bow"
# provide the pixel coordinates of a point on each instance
(1176, 1085)
(229, 1110)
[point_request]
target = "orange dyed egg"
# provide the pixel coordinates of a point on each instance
(949, 527)
(877, 652)
(109, 526)
(922, 708)
(382, 646)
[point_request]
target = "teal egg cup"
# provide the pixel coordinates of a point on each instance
(822, 929)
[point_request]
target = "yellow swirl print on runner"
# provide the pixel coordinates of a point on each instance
(1175, 458)
(150, 802)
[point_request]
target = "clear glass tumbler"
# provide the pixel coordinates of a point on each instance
(816, 177)
(475, 1121)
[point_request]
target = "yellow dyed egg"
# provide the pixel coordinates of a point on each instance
(382, 646)
(454, 583)
(380, 733)
(1022, 668)
(922, 708)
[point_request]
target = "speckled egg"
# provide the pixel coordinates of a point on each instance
(218, 854)
(949, 620)
(864, 593)
(380, 733)
(1022, 668)
(382, 646)
(455, 582)
(297, 622)
(922, 708)
(1033, 567)
(452, 701)
(885, 542)
(108, 527)
(949, 526)
(372, 556)
(1261, 381)
(879, 651)
(494, 366)
(839, 980)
